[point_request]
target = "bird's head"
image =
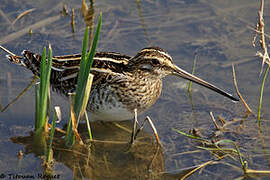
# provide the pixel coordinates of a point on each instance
(156, 63)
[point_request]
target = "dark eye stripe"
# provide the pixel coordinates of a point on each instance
(155, 61)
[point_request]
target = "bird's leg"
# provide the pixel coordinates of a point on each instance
(141, 128)
(153, 129)
(147, 119)
(136, 132)
(134, 126)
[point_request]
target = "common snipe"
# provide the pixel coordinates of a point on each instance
(121, 83)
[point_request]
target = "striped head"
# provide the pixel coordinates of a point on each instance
(157, 63)
(152, 61)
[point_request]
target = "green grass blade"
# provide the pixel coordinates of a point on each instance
(193, 71)
(39, 142)
(43, 69)
(189, 135)
(42, 95)
(38, 123)
(49, 152)
(37, 114)
(86, 95)
(48, 77)
(88, 126)
(44, 89)
(85, 102)
(261, 95)
(90, 59)
(91, 54)
(83, 77)
(70, 136)
(82, 64)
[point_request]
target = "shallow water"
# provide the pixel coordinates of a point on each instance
(219, 32)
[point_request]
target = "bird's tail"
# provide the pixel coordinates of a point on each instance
(15, 59)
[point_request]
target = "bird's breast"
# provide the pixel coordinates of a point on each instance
(116, 101)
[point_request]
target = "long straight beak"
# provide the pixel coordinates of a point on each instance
(182, 73)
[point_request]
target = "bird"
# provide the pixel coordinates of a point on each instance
(121, 83)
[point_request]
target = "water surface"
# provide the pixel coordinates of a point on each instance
(219, 32)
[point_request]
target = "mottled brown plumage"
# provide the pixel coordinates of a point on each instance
(121, 83)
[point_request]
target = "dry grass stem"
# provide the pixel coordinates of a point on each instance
(23, 14)
(58, 113)
(73, 120)
(260, 30)
(64, 11)
(110, 142)
(112, 31)
(222, 120)
(84, 8)
(122, 127)
(252, 171)
(87, 13)
(46, 126)
(20, 95)
(58, 129)
(7, 51)
(214, 120)
(5, 17)
(73, 20)
(15, 35)
(196, 169)
(257, 31)
(238, 92)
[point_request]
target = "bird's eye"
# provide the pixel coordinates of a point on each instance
(155, 62)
